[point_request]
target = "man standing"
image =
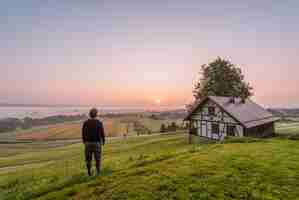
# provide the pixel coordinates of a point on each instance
(93, 136)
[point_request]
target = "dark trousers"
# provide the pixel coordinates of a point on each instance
(93, 149)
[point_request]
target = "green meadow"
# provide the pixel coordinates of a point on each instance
(285, 129)
(156, 167)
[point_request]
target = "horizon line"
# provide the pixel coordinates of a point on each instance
(78, 105)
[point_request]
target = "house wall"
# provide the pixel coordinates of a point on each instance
(265, 130)
(202, 121)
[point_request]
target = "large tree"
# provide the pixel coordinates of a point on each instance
(221, 78)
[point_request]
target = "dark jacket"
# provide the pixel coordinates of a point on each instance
(93, 131)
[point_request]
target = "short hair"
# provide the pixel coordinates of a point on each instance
(93, 113)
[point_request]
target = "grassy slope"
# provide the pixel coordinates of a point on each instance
(21, 147)
(161, 167)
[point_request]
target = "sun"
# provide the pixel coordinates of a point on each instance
(158, 101)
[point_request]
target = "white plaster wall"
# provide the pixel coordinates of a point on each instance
(220, 117)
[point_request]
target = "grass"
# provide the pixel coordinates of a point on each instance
(158, 167)
(20, 147)
(284, 129)
(60, 131)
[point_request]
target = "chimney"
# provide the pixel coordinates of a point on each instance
(243, 100)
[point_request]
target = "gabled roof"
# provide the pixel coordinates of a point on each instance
(247, 113)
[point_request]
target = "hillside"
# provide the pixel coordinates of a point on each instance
(114, 127)
(157, 167)
(285, 112)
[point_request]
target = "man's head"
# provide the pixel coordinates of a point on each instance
(93, 113)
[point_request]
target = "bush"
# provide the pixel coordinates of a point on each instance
(294, 137)
(172, 127)
(229, 139)
(141, 129)
(163, 128)
(9, 124)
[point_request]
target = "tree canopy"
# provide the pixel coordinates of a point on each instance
(221, 78)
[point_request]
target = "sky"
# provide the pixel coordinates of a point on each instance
(136, 52)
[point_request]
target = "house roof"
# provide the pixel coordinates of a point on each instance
(247, 113)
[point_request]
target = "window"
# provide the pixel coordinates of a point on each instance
(211, 110)
(231, 130)
(215, 128)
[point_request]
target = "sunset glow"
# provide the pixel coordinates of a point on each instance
(116, 53)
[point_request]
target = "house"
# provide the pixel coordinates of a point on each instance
(216, 117)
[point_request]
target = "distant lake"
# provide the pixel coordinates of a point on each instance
(40, 112)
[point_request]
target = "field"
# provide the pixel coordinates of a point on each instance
(156, 167)
(72, 130)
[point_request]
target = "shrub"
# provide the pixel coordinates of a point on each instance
(163, 128)
(294, 137)
(228, 139)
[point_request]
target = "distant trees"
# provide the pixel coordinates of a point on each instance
(173, 127)
(154, 117)
(11, 124)
(170, 128)
(163, 128)
(30, 122)
(141, 129)
(130, 123)
(221, 78)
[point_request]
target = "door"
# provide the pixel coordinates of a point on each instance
(230, 130)
(215, 130)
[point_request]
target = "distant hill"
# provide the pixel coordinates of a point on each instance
(33, 105)
(285, 112)
(174, 114)
(171, 114)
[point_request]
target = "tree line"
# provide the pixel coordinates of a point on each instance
(12, 124)
(171, 127)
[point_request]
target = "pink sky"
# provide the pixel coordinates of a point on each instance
(133, 53)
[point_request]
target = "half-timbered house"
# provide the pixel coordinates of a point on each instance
(216, 117)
